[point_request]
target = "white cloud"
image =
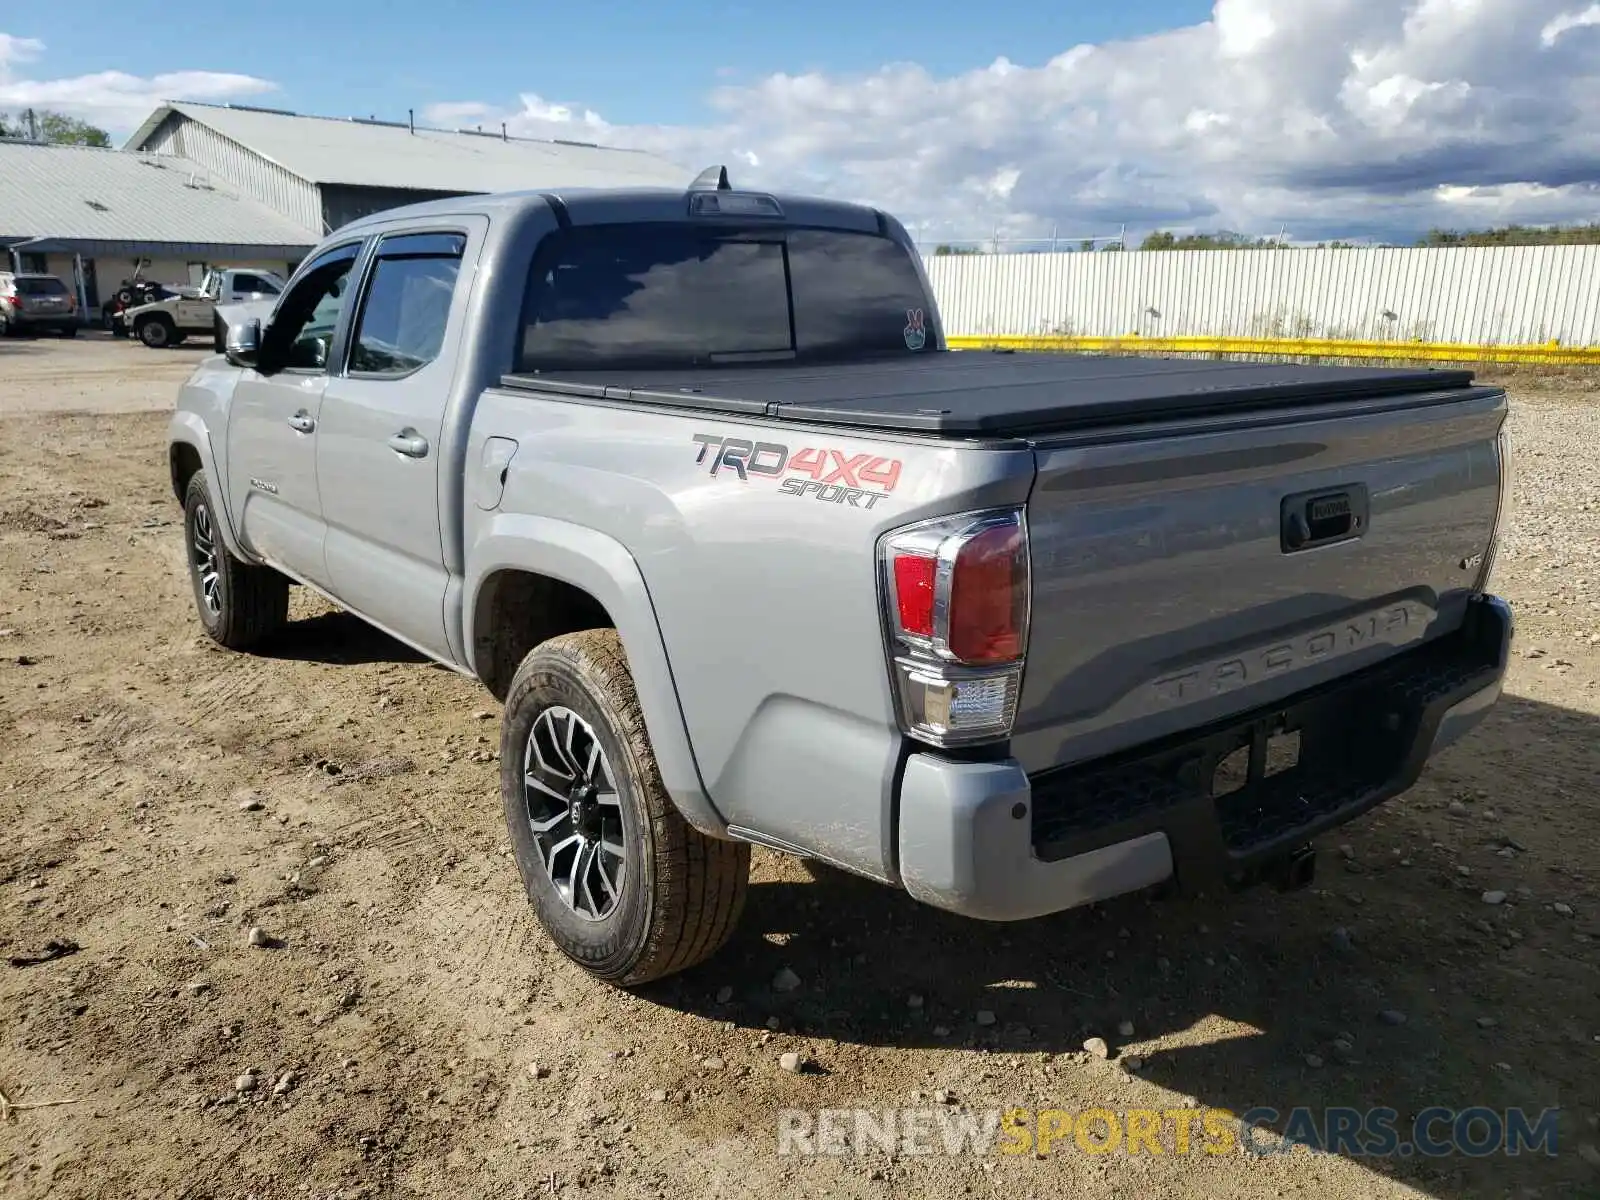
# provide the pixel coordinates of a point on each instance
(1354, 117)
(113, 100)
(1568, 21)
(1333, 116)
(17, 50)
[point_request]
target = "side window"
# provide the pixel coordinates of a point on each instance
(249, 283)
(403, 316)
(307, 315)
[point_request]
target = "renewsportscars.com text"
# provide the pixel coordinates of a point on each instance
(1375, 1132)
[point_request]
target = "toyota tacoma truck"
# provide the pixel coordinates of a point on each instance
(691, 482)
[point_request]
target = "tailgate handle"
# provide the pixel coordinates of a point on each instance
(1323, 517)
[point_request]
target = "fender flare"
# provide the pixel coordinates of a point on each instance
(188, 429)
(601, 566)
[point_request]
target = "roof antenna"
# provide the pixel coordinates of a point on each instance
(503, 136)
(411, 119)
(711, 177)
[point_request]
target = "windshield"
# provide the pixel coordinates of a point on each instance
(664, 296)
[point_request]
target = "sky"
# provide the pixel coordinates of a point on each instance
(1356, 118)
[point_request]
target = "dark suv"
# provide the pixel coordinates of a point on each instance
(36, 303)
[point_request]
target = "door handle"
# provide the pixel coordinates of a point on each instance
(410, 443)
(302, 422)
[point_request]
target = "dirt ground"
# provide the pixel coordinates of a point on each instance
(162, 797)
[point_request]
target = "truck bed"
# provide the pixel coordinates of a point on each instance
(990, 393)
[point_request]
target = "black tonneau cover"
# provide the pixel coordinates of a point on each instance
(996, 393)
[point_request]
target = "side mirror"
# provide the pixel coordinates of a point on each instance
(243, 346)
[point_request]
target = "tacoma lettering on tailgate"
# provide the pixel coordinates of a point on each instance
(1388, 626)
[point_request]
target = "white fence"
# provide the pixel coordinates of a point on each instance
(1480, 296)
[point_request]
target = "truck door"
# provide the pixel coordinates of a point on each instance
(272, 424)
(380, 441)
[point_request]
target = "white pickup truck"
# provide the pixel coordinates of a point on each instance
(169, 321)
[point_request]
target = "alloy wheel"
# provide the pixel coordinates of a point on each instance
(574, 812)
(203, 553)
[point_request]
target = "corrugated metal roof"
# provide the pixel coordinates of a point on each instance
(367, 154)
(72, 193)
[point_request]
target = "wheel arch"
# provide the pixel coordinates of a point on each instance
(533, 578)
(189, 451)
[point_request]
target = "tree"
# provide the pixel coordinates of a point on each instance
(63, 130)
(54, 127)
(1516, 235)
(1161, 239)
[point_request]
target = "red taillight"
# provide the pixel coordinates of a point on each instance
(14, 301)
(989, 597)
(955, 594)
(913, 593)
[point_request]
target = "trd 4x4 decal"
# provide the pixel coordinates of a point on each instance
(832, 476)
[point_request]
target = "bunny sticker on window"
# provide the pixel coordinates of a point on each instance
(916, 335)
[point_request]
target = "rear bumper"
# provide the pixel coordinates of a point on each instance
(985, 840)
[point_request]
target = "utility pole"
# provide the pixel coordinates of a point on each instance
(33, 126)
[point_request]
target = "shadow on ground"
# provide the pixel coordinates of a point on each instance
(1304, 978)
(336, 638)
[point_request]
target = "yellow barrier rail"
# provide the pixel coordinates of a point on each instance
(1549, 354)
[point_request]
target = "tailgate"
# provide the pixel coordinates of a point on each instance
(1186, 573)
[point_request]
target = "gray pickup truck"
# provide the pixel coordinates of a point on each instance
(690, 481)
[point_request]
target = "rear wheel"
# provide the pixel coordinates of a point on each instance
(239, 604)
(621, 882)
(156, 331)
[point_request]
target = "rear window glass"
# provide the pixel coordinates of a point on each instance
(254, 283)
(41, 287)
(664, 296)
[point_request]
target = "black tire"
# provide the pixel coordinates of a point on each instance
(157, 332)
(238, 603)
(681, 892)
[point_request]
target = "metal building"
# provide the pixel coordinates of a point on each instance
(324, 172)
(95, 218)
